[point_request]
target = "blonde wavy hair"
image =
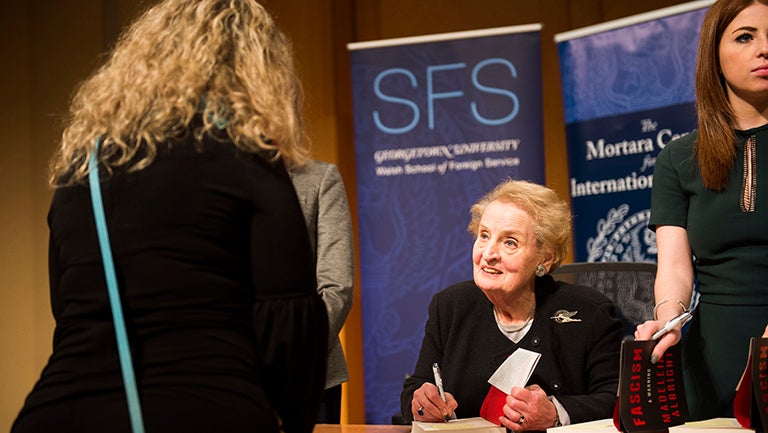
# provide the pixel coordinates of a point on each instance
(224, 61)
(550, 214)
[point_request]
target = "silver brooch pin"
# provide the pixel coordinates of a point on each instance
(564, 316)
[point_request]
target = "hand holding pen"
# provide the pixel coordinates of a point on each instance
(427, 403)
(439, 384)
(644, 329)
(679, 320)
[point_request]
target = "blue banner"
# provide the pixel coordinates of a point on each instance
(628, 90)
(439, 121)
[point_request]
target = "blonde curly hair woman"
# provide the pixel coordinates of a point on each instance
(197, 116)
(225, 60)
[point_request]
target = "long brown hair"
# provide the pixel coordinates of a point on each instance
(715, 149)
(222, 60)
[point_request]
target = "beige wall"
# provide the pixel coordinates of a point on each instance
(49, 46)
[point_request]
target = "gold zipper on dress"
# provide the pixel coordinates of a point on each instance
(749, 181)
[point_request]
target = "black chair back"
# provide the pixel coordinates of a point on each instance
(628, 284)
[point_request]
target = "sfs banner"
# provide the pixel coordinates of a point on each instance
(439, 121)
(628, 90)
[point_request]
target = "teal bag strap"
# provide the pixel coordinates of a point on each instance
(126, 365)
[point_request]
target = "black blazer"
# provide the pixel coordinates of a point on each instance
(579, 363)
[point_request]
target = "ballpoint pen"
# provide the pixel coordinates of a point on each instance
(439, 384)
(679, 320)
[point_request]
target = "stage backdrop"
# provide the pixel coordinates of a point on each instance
(439, 121)
(628, 90)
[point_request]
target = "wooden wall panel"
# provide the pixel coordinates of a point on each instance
(18, 368)
(54, 45)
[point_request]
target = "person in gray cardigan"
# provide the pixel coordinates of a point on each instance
(323, 199)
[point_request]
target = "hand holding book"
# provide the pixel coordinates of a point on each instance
(514, 405)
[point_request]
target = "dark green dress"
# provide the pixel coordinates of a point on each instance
(728, 232)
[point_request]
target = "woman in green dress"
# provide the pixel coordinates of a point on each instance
(709, 208)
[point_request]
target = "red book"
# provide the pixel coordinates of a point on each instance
(751, 404)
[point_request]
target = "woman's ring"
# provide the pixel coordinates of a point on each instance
(521, 420)
(420, 410)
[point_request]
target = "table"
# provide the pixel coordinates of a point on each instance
(719, 425)
(361, 428)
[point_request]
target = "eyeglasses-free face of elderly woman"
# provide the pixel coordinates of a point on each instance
(505, 258)
(521, 233)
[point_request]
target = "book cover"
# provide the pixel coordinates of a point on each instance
(651, 396)
(751, 403)
(463, 425)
